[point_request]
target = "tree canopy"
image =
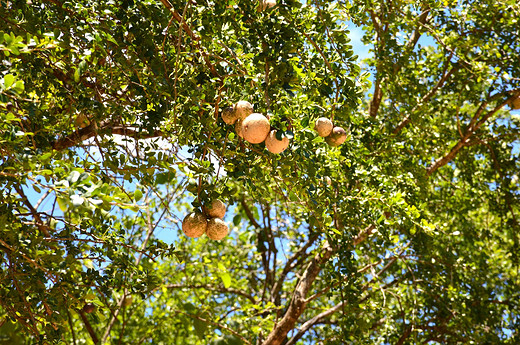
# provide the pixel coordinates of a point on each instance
(111, 132)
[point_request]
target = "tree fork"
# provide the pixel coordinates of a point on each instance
(298, 302)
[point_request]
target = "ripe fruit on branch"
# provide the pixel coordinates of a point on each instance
(337, 137)
(217, 229)
(274, 145)
(216, 209)
(265, 4)
(229, 115)
(255, 128)
(243, 109)
(194, 225)
(323, 126)
(88, 308)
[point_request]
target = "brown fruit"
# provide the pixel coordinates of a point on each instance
(216, 209)
(337, 137)
(323, 126)
(274, 145)
(217, 229)
(89, 308)
(194, 225)
(229, 115)
(243, 109)
(265, 4)
(255, 128)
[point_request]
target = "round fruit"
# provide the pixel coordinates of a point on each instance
(217, 229)
(194, 225)
(243, 109)
(337, 137)
(217, 209)
(274, 145)
(229, 115)
(89, 308)
(265, 4)
(323, 126)
(255, 128)
(238, 128)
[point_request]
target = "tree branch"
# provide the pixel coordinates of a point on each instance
(299, 257)
(378, 92)
(219, 325)
(426, 97)
(192, 35)
(249, 214)
(416, 34)
(149, 233)
(180, 20)
(473, 126)
(39, 223)
(363, 235)
(92, 130)
(317, 319)
(90, 330)
(298, 302)
(376, 99)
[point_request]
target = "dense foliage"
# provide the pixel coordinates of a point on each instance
(110, 133)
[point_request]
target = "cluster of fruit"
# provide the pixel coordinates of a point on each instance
(334, 136)
(253, 127)
(209, 222)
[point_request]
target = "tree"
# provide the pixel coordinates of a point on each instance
(112, 132)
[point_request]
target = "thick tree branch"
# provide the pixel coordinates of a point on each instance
(420, 23)
(315, 320)
(378, 92)
(293, 262)
(363, 235)
(180, 20)
(405, 335)
(320, 317)
(39, 223)
(427, 97)
(93, 130)
(474, 124)
(90, 330)
(298, 302)
(192, 35)
(376, 99)
(249, 214)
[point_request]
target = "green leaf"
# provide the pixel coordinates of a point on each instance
(201, 326)
(62, 203)
(76, 75)
(8, 80)
(138, 195)
(19, 87)
(226, 279)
